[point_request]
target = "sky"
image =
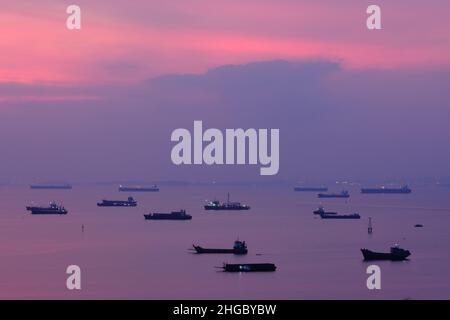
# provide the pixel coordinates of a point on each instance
(99, 104)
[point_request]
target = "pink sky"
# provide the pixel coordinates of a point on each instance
(123, 41)
(79, 90)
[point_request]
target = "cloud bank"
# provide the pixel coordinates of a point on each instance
(334, 124)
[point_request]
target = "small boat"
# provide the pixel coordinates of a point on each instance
(174, 215)
(130, 202)
(311, 189)
(240, 247)
(340, 216)
(217, 205)
(343, 194)
(153, 188)
(418, 225)
(396, 254)
(249, 267)
(53, 208)
(321, 210)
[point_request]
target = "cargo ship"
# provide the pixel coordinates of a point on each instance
(53, 208)
(249, 267)
(174, 215)
(340, 216)
(383, 190)
(396, 254)
(153, 188)
(342, 194)
(240, 247)
(311, 189)
(130, 202)
(321, 210)
(51, 186)
(217, 205)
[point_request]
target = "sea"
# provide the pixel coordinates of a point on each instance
(123, 256)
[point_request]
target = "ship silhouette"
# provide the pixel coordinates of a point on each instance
(130, 202)
(396, 254)
(174, 215)
(249, 267)
(217, 205)
(126, 188)
(403, 190)
(240, 247)
(342, 194)
(53, 208)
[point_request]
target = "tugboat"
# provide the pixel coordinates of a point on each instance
(249, 267)
(403, 190)
(340, 216)
(343, 194)
(321, 211)
(240, 247)
(53, 208)
(396, 254)
(174, 215)
(153, 188)
(130, 202)
(216, 205)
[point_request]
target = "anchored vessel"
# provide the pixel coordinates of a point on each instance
(174, 215)
(403, 190)
(217, 205)
(53, 208)
(343, 194)
(249, 267)
(130, 202)
(396, 254)
(311, 189)
(340, 216)
(240, 247)
(321, 211)
(153, 188)
(51, 186)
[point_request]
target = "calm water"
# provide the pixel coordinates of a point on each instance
(123, 256)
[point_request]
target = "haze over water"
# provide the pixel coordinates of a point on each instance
(121, 255)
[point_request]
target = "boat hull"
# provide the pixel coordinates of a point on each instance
(39, 211)
(385, 191)
(116, 204)
(48, 213)
(216, 208)
(320, 212)
(68, 187)
(340, 217)
(320, 195)
(201, 250)
(125, 189)
(371, 255)
(167, 217)
(250, 267)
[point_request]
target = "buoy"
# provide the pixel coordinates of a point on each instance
(370, 229)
